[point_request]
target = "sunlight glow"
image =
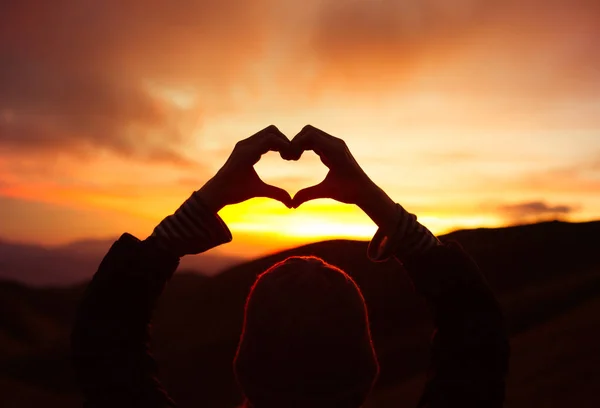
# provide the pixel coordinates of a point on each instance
(181, 98)
(320, 219)
(464, 120)
(310, 228)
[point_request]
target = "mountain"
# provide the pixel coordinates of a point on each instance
(76, 262)
(547, 277)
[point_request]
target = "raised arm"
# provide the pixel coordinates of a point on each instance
(111, 336)
(470, 349)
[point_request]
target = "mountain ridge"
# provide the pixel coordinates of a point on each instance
(538, 272)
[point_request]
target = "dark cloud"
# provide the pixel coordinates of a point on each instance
(476, 46)
(84, 135)
(68, 111)
(77, 75)
(154, 36)
(534, 211)
(390, 30)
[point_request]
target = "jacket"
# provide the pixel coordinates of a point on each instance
(111, 337)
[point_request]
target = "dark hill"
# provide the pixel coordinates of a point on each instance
(539, 271)
(76, 262)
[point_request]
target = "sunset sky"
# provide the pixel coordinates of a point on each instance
(467, 112)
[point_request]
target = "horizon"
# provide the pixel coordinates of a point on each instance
(475, 115)
(74, 264)
(300, 242)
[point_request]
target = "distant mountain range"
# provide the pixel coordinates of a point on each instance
(540, 272)
(76, 262)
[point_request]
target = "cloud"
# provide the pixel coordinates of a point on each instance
(576, 180)
(84, 135)
(477, 47)
(450, 157)
(534, 211)
(77, 77)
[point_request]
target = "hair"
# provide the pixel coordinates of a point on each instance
(306, 340)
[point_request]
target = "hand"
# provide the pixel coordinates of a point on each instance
(346, 181)
(237, 181)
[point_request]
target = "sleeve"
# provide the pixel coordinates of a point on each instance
(111, 336)
(470, 348)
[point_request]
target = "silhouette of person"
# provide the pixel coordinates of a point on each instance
(306, 340)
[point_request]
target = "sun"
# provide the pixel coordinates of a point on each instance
(320, 219)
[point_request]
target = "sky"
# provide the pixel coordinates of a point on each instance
(469, 113)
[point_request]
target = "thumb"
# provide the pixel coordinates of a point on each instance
(310, 193)
(276, 193)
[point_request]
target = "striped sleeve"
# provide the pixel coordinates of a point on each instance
(406, 239)
(192, 229)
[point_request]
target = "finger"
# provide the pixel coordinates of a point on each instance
(272, 129)
(268, 142)
(311, 138)
(310, 193)
(270, 132)
(272, 143)
(300, 141)
(288, 154)
(273, 139)
(276, 193)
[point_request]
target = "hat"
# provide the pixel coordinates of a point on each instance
(306, 338)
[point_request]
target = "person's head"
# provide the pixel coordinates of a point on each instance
(306, 339)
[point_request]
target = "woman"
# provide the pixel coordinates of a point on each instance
(306, 339)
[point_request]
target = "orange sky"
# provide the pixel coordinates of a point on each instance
(469, 113)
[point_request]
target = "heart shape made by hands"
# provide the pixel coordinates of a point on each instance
(292, 176)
